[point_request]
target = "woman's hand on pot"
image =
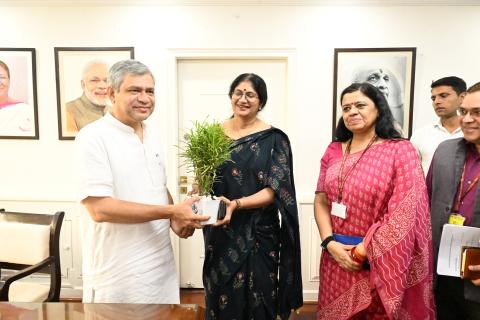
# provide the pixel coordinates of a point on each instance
(230, 206)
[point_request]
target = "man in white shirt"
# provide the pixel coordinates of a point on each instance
(447, 95)
(127, 254)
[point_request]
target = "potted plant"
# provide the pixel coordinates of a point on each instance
(205, 147)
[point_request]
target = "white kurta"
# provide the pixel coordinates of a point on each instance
(124, 263)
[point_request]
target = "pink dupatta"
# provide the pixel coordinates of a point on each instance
(387, 204)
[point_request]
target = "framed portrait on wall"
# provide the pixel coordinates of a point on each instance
(391, 70)
(18, 94)
(81, 80)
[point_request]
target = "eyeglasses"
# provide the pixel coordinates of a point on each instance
(474, 113)
(249, 95)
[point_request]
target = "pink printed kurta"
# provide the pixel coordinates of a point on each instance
(387, 203)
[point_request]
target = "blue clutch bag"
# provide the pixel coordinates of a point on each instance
(349, 240)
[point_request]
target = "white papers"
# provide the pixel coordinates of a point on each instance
(454, 237)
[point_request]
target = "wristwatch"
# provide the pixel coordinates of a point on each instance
(326, 241)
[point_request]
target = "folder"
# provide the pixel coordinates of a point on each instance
(470, 256)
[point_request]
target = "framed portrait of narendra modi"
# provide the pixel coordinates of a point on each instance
(391, 70)
(81, 78)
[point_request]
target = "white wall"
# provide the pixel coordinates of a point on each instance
(446, 39)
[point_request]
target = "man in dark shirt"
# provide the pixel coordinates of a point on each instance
(452, 183)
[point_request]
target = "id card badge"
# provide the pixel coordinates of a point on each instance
(339, 210)
(456, 219)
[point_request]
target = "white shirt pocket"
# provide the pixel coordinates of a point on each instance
(157, 171)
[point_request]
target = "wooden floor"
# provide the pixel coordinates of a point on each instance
(196, 296)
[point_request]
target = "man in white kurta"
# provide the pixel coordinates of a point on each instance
(447, 94)
(127, 254)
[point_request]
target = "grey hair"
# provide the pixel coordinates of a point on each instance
(126, 67)
(89, 65)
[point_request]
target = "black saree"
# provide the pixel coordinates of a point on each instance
(252, 266)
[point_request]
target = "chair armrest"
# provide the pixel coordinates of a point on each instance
(22, 274)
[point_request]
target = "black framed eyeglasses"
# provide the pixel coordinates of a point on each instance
(474, 113)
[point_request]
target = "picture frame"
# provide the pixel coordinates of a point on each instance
(18, 94)
(390, 69)
(80, 74)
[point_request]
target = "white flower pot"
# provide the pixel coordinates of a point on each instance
(208, 207)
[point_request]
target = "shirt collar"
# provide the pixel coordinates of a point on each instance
(120, 125)
(472, 151)
(439, 126)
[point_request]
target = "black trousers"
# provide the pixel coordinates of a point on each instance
(451, 304)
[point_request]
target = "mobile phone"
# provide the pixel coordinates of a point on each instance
(222, 210)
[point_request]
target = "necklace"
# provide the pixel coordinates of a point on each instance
(246, 130)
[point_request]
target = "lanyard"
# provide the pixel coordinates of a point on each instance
(342, 179)
(461, 194)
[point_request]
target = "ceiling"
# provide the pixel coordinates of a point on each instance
(241, 2)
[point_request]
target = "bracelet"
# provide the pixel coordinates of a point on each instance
(326, 241)
(239, 204)
(360, 256)
(357, 257)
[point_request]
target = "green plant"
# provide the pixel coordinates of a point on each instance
(205, 148)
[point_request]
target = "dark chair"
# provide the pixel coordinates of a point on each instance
(29, 243)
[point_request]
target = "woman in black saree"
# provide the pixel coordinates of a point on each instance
(252, 262)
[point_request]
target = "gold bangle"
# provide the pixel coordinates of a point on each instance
(239, 205)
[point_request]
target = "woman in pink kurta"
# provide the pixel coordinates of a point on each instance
(378, 179)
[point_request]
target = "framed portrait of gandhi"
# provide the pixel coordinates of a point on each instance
(391, 70)
(18, 94)
(81, 80)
